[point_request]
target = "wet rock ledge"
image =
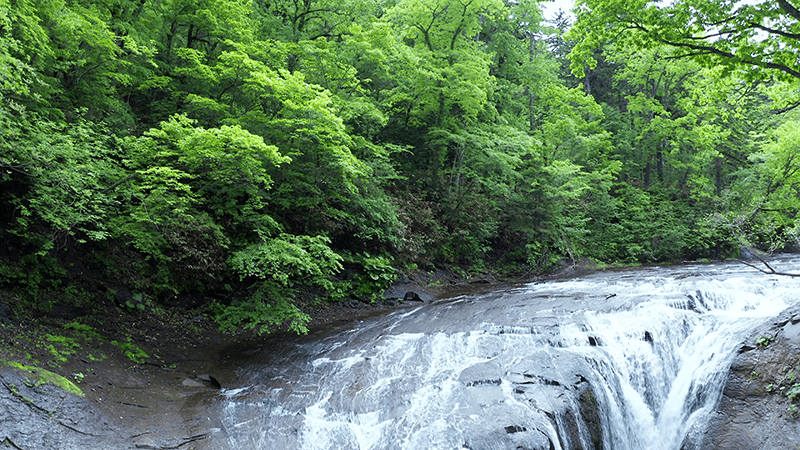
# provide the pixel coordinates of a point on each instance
(760, 404)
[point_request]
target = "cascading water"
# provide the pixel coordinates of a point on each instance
(626, 361)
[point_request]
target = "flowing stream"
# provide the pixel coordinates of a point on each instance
(623, 360)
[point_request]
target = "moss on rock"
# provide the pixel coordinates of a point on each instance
(41, 376)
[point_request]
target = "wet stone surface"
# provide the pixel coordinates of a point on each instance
(46, 417)
(754, 412)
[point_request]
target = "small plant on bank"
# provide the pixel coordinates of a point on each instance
(377, 275)
(277, 265)
(268, 307)
(94, 358)
(136, 302)
(764, 341)
(83, 328)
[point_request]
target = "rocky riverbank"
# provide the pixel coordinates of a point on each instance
(115, 379)
(62, 389)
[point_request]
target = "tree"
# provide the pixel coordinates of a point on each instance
(194, 194)
(273, 147)
(23, 47)
(764, 202)
(449, 82)
(675, 129)
(759, 40)
(57, 178)
(521, 63)
(309, 20)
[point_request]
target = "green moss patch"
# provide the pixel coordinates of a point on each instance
(132, 351)
(41, 376)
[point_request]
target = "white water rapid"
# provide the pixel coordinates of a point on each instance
(630, 360)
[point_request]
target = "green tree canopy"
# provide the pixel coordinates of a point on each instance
(738, 35)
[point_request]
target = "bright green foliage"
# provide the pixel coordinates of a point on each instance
(85, 55)
(280, 264)
(180, 25)
(765, 197)
(288, 260)
(193, 192)
(764, 341)
(633, 225)
(24, 47)
(482, 172)
(442, 24)
(677, 135)
(449, 81)
(570, 193)
(228, 161)
(269, 307)
(279, 151)
(779, 170)
(300, 119)
(572, 128)
(294, 21)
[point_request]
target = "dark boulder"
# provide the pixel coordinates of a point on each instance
(412, 297)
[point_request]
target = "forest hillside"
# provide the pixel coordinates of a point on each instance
(252, 154)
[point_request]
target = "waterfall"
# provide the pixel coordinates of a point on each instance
(630, 360)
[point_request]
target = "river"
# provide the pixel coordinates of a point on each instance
(624, 360)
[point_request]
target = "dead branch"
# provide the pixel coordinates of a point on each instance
(769, 269)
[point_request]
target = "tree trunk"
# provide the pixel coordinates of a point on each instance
(660, 166)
